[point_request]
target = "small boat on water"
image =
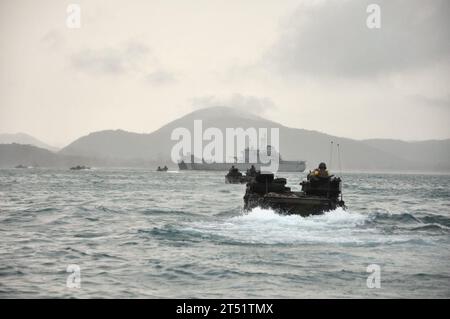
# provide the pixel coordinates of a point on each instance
(21, 166)
(164, 169)
(79, 167)
(318, 195)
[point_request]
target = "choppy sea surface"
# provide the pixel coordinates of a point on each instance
(135, 233)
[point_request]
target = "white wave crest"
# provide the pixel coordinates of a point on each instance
(266, 226)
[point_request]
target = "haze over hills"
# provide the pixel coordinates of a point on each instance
(12, 155)
(312, 146)
(28, 155)
(434, 154)
(158, 145)
(26, 139)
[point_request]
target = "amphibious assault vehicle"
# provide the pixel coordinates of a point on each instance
(234, 176)
(318, 195)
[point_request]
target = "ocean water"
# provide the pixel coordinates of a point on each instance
(134, 233)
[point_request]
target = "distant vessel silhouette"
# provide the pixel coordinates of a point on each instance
(79, 167)
(243, 164)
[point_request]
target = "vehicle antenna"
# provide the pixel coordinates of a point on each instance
(340, 167)
(331, 154)
(339, 159)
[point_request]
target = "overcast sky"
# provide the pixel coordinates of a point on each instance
(137, 65)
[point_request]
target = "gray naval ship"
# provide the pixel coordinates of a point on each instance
(244, 163)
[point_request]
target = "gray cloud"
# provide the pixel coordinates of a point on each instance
(131, 57)
(431, 102)
(248, 103)
(160, 77)
(331, 38)
(53, 39)
(111, 60)
(103, 61)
